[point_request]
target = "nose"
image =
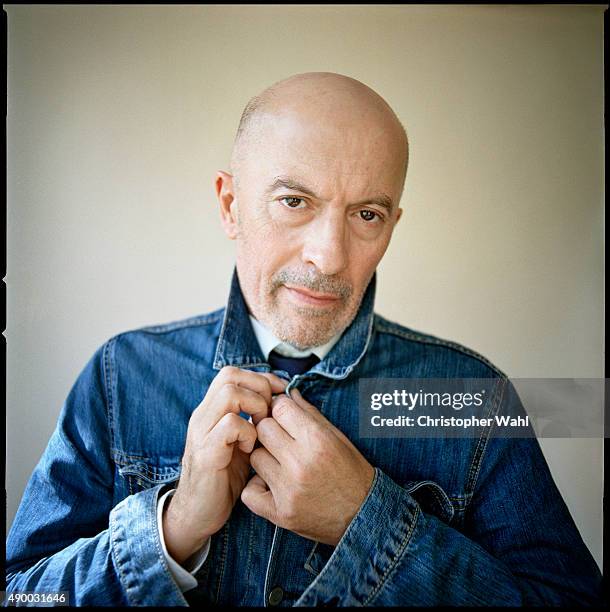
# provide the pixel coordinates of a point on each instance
(326, 244)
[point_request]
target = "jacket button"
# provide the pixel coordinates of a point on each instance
(276, 596)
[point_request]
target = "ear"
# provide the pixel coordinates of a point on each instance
(228, 203)
(398, 215)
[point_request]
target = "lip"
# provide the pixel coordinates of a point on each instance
(312, 297)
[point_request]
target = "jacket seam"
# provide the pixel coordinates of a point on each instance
(249, 560)
(159, 551)
(204, 320)
(403, 544)
(150, 470)
(420, 338)
(124, 459)
(223, 558)
(108, 375)
(477, 460)
(117, 558)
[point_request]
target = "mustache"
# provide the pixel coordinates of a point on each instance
(312, 281)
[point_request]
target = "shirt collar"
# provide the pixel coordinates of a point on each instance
(268, 342)
(238, 345)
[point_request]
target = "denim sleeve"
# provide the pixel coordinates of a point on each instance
(67, 536)
(519, 545)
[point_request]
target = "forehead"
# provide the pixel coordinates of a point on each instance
(353, 156)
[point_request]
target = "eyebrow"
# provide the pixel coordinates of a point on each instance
(285, 182)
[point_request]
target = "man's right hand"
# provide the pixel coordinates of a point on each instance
(216, 461)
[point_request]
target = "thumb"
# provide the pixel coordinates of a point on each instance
(257, 496)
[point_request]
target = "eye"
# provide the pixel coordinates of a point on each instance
(292, 202)
(368, 215)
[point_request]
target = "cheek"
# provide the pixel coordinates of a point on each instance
(269, 236)
(256, 224)
(370, 245)
(264, 222)
(263, 248)
(364, 258)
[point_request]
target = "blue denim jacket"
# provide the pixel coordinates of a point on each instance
(446, 521)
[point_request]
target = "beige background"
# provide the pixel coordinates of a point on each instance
(118, 117)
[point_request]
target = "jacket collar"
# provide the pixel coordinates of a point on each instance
(237, 345)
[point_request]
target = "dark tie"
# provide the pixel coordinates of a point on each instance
(292, 365)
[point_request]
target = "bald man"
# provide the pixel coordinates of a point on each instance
(218, 459)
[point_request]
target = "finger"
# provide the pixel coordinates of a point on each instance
(257, 496)
(275, 439)
(263, 383)
(266, 465)
(289, 415)
(312, 411)
(229, 430)
(232, 398)
(278, 385)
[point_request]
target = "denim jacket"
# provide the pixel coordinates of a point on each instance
(458, 521)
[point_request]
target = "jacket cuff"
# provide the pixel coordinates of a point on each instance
(371, 546)
(137, 552)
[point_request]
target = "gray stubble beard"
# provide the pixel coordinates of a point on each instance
(302, 335)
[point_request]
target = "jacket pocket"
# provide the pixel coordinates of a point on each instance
(318, 557)
(138, 473)
(432, 499)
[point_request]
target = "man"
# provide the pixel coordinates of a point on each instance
(218, 460)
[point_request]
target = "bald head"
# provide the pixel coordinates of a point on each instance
(330, 101)
(317, 173)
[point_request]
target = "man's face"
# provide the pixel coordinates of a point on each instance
(315, 205)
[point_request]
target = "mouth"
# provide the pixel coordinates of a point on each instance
(300, 295)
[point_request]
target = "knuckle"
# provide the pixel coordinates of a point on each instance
(227, 393)
(231, 420)
(228, 371)
(280, 406)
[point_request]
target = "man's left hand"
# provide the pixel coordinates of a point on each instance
(310, 478)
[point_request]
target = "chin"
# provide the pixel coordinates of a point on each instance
(305, 332)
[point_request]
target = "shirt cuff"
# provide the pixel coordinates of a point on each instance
(182, 574)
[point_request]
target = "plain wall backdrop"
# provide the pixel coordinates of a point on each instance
(118, 117)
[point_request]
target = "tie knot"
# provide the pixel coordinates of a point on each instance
(292, 365)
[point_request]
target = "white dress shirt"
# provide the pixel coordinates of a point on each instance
(268, 342)
(184, 574)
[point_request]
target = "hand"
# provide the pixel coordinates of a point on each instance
(215, 463)
(310, 478)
